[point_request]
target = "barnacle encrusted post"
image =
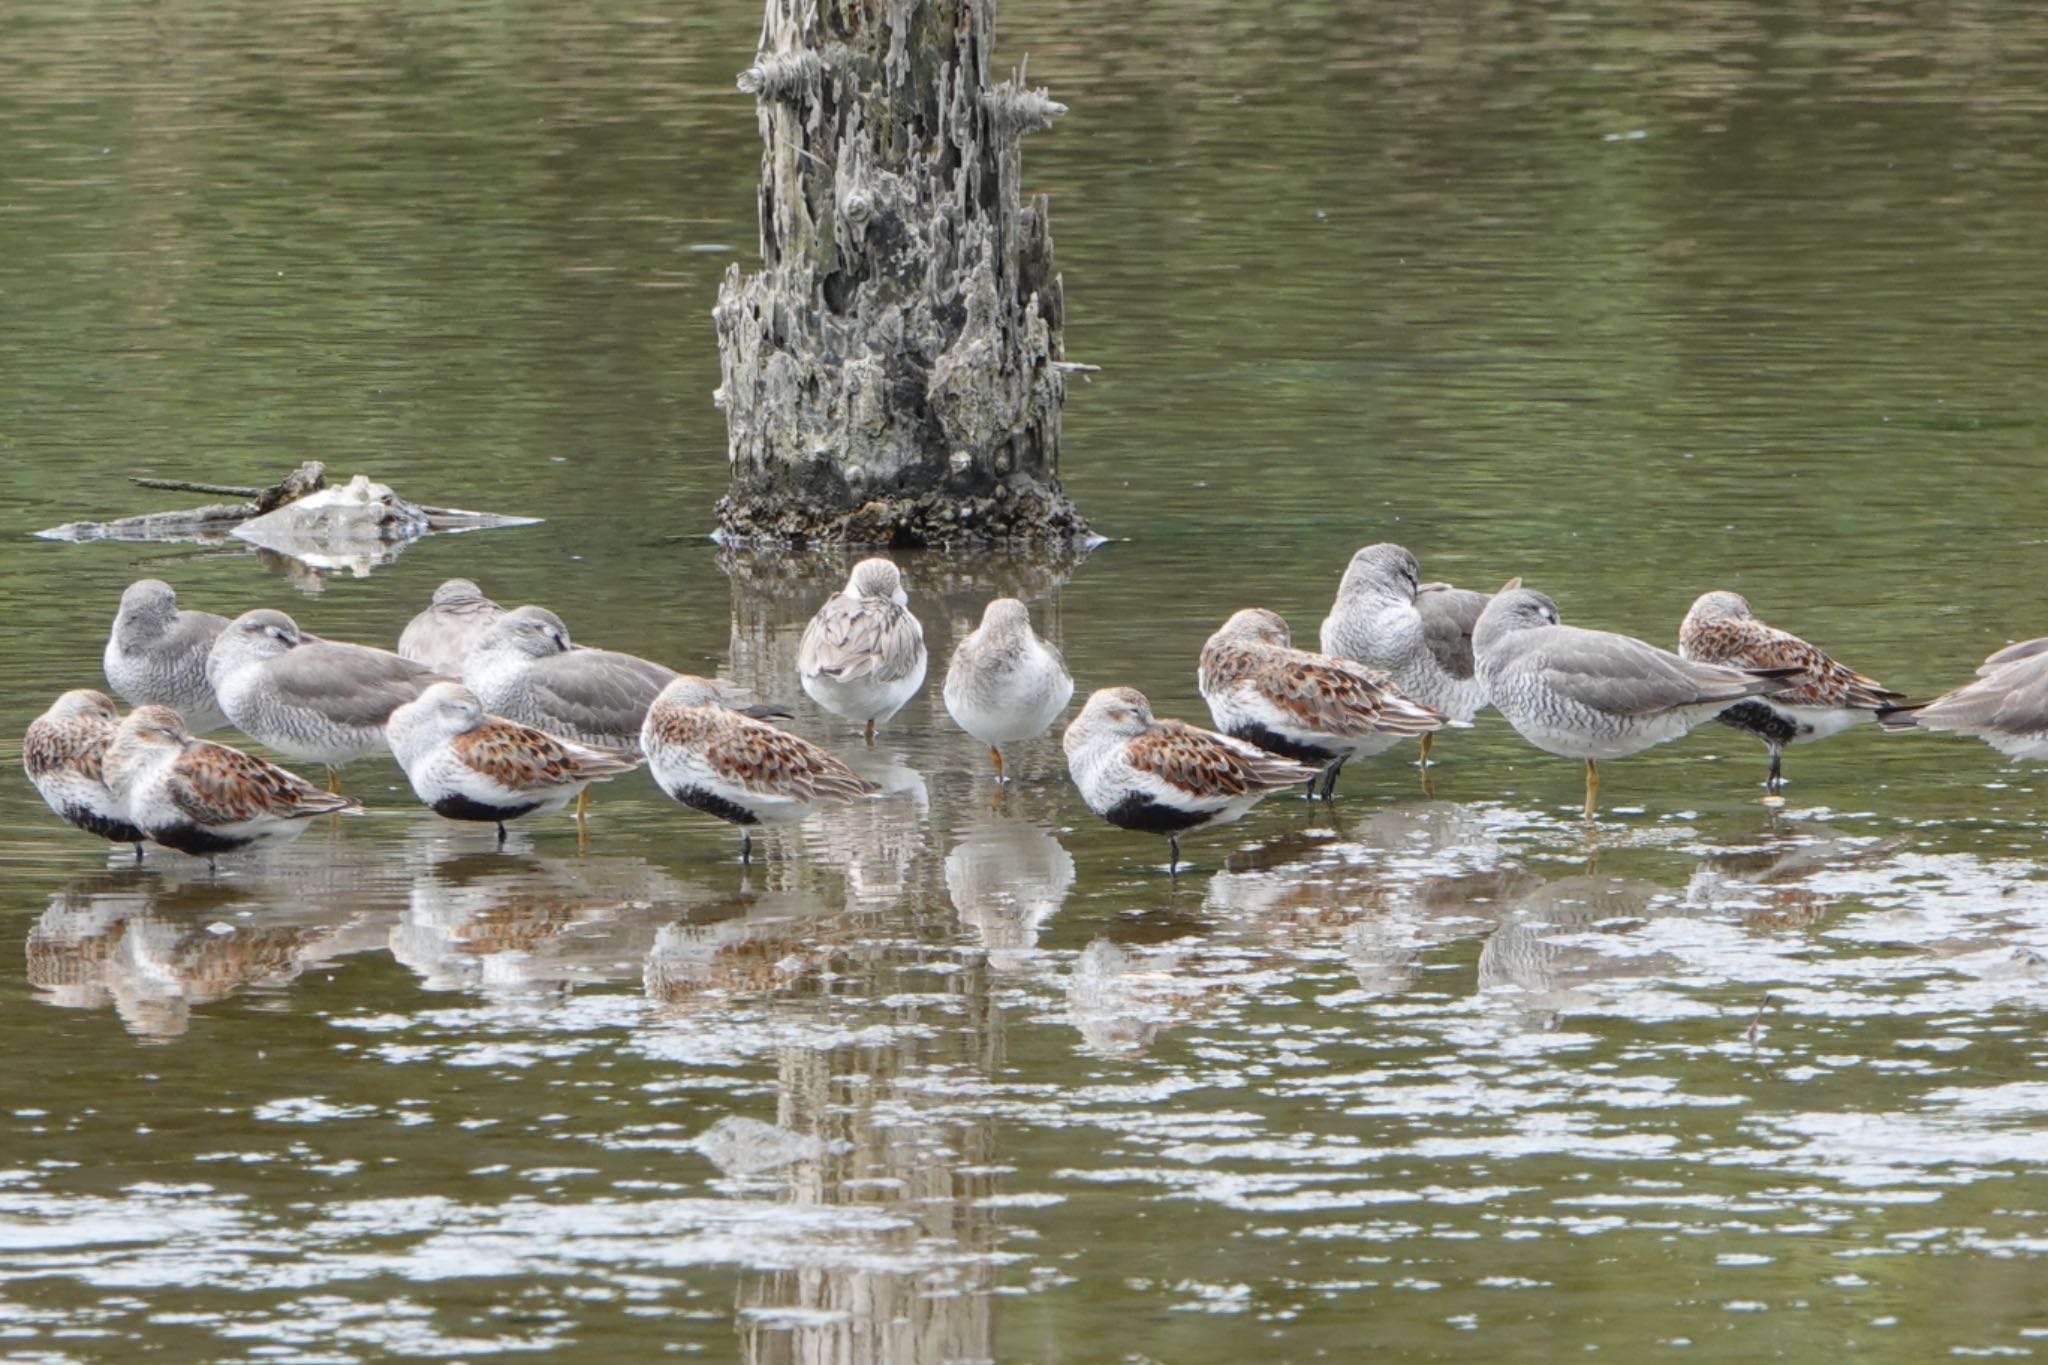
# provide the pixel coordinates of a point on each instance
(893, 374)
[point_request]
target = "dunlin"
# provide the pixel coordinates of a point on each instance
(467, 764)
(1300, 705)
(1418, 633)
(746, 772)
(156, 654)
(1592, 694)
(862, 656)
(319, 700)
(1004, 685)
(203, 798)
(1825, 697)
(2006, 707)
(1166, 776)
(441, 636)
(64, 754)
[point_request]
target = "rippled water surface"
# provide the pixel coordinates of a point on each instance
(1631, 300)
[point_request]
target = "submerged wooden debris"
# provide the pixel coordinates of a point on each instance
(355, 526)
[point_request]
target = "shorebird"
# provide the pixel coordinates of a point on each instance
(1824, 697)
(1300, 705)
(863, 655)
(1591, 694)
(1004, 685)
(467, 764)
(2006, 707)
(156, 654)
(319, 700)
(64, 754)
(1166, 776)
(746, 772)
(441, 636)
(1419, 634)
(525, 669)
(203, 798)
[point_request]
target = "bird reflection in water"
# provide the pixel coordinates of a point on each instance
(1560, 942)
(1771, 886)
(1407, 879)
(739, 947)
(876, 841)
(155, 948)
(506, 924)
(1007, 876)
(1120, 996)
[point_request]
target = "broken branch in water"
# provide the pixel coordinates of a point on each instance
(300, 516)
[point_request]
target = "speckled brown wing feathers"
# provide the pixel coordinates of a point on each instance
(758, 757)
(521, 758)
(78, 743)
(1327, 696)
(216, 785)
(1822, 682)
(1201, 763)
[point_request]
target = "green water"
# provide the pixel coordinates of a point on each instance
(1633, 301)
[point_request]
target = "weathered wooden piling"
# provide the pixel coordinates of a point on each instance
(894, 372)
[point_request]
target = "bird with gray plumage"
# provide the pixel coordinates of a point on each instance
(1419, 634)
(1592, 694)
(203, 798)
(525, 668)
(441, 636)
(2006, 707)
(863, 656)
(156, 654)
(1825, 697)
(314, 699)
(1004, 685)
(64, 754)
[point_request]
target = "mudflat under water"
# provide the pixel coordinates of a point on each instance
(1631, 301)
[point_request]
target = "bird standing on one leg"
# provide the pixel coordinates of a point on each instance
(1592, 694)
(1824, 697)
(1300, 705)
(863, 656)
(1419, 634)
(1004, 685)
(1166, 777)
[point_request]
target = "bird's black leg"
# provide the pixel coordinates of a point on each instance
(138, 853)
(1776, 781)
(1173, 855)
(746, 848)
(1330, 779)
(501, 834)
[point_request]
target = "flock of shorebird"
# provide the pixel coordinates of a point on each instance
(496, 714)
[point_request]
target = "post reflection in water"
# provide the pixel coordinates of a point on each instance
(887, 1141)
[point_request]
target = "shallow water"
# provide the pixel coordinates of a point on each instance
(1633, 302)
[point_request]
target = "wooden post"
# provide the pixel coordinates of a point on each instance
(893, 374)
